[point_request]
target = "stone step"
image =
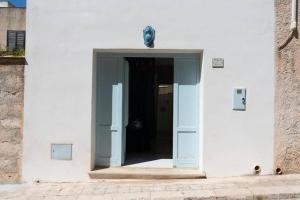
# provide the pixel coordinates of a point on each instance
(145, 173)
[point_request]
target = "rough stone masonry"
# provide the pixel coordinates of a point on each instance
(11, 116)
(287, 92)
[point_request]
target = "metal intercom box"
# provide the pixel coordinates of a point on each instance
(239, 99)
(61, 151)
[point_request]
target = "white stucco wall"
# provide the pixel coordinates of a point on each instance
(61, 36)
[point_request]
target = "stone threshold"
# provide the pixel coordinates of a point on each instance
(145, 173)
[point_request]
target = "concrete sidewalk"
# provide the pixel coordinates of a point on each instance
(252, 187)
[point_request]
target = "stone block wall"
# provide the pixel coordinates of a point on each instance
(11, 120)
(287, 92)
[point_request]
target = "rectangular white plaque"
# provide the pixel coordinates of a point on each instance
(217, 62)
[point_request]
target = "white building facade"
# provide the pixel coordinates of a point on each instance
(5, 4)
(75, 82)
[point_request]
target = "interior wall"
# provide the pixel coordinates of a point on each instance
(164, 108)
(58, 87)
(141, 127)
(151, 104)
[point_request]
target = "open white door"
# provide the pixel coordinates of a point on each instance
(110, 78)
(186, 112)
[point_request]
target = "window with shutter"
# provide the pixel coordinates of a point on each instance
(15, 40)
(11, 40)
(20, 43)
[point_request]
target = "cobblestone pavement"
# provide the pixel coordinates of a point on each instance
(251, 187)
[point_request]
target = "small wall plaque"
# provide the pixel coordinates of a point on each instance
(218, 62)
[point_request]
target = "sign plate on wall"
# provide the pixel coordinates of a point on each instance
(218, 63)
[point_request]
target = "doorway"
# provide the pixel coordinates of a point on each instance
(147, 110)
(149, 133)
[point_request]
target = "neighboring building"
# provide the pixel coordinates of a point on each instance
(5, 4)
(12, 26)
(92, 84)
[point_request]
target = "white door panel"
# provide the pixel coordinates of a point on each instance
(186, 112)
(109, 111)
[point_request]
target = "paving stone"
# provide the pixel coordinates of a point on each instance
(202, 194)
(135, 189)
(123, 189)
(94, 197)
(167, 195)
(258, 188)
(196, 187)
(60, 198)
(111, 190)
(171, 188)
(133, 196)
(276, 191)
(233, 193)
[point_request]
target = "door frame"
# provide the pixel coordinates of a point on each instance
(170, 53)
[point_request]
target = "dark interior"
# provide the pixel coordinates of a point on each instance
(149, 131)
